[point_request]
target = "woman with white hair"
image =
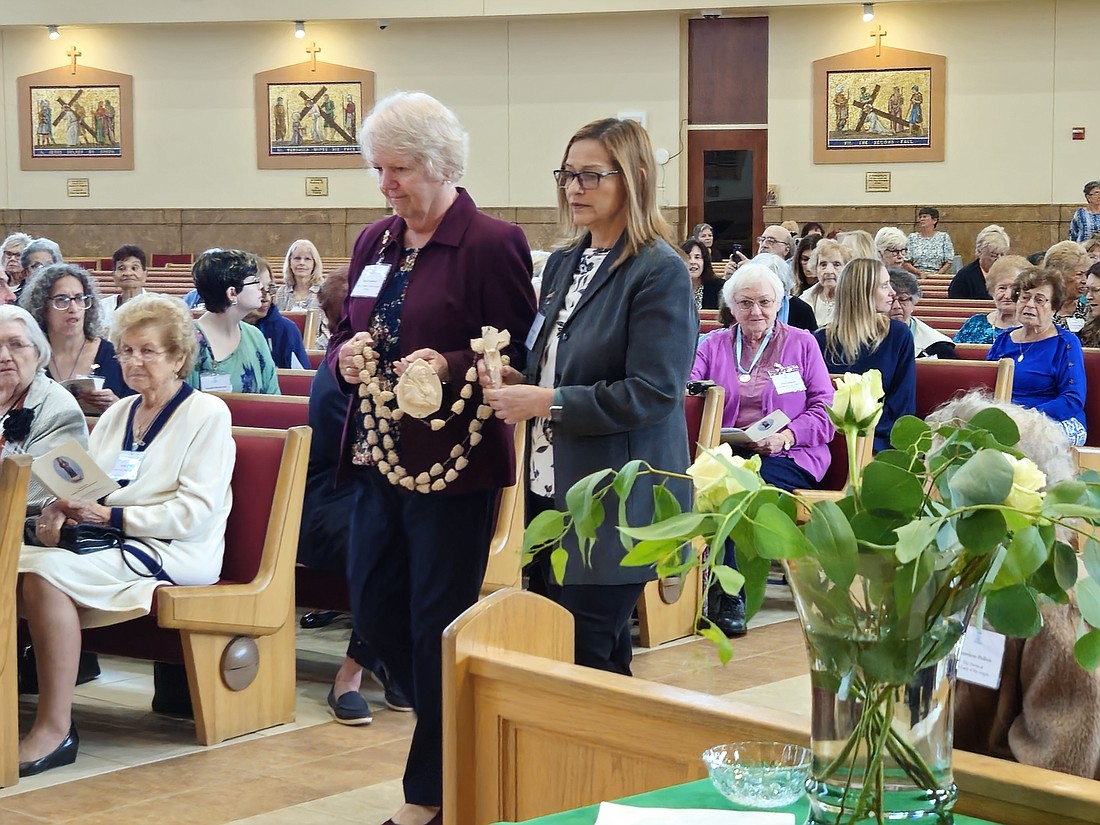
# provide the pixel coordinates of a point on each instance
(969, 284)
(891, 245)
(827, 262)
(766, 365)
(422, 284)
(1071, 262)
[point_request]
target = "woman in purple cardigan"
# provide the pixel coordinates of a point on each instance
(766, 365)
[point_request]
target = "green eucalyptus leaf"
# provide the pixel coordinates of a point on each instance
(665, 504)
(872, 529)
(684, 527)
(731, 580)
(547, 528)
(623, 485)
(908, 432)
(650, 551)
(558, 560)
(1014, 611)
(1091, 557)
(584, 506)
(1026, 554)
(887, 661)
(1044, 581)
(755, 570)
(1087, 650)
(1088, 600)
(1065, 565)
(1069, 491)
(716, 637)
(914, 538)
(776, 536)
(832, 537)
(998, 423)
(980, 531)
(985, 478)
(1070, 511)
(890, 491)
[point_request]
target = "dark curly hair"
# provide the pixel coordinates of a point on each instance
(36, 295)
(216, 270)
(1034, 277)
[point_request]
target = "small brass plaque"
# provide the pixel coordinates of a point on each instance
(317, 187)
(877, 182)
(77, 187)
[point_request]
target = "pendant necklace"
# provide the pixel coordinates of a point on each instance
(76, 361)
(745, 375)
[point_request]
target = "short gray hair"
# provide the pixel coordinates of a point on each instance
(11, 312)
(777, 265)
(40, 245)
(21, 238)
(992, 237)
(417, 126)
(890, 237)
(752, 274)
(904, 281)
(1041, 439)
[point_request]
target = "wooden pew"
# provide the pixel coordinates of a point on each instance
(254, 599)
(266, 411)
(15, 473)
(527, 733)
(940, 380)
(307, 322)
(316, 358)
(295, 382)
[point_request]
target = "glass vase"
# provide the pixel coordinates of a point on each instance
(882, 664)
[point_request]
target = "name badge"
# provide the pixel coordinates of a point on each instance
(126, 465)
(215, 382)
(981, 656)
(370, 281)
(1075, 324)
(536, 328)
(788, 380)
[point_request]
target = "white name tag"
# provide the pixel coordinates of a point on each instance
(536, 328)
(981, 656)
(1075, 324)
(788, 381)
(370, 281)
(215, 382)
(126, 466)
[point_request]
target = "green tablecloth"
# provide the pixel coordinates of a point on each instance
(699, 794)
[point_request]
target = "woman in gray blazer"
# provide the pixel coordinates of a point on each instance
(611, 350)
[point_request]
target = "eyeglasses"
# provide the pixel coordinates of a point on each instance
(586, 180)
(896, 251)
(127, 354)
(37, 265)
(746, 305)
(16, 346)
(764, 240)
(1039, 300)
(902, 299)
(14, 255)
(250, 282)
(62, 302)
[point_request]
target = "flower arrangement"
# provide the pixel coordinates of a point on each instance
(885, 575)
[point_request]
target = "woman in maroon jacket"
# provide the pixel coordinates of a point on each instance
(422, 285)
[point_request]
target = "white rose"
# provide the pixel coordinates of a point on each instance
(857, 401)
(1028, 482)
(712, 479)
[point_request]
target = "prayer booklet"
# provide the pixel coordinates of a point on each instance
(68, 471)
(81, 385)
(768, 425)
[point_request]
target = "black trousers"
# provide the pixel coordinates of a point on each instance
(601, 612)
(416, 562)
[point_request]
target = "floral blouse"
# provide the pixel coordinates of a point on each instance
(929, 254)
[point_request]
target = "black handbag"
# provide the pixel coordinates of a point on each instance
(81, 538)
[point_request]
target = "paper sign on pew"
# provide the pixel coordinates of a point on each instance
(614, 814)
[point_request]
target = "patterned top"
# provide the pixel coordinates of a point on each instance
(385, 330)
(250, 367)
(284, 299)
(1083, 225)
(1077, 320)
(977, 330)
(929, 254)
(541, 465)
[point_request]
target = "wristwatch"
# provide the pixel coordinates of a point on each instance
(555, 413)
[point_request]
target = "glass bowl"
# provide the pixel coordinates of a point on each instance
(759, 774)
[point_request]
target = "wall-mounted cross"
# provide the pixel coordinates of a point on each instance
(312, 52)
(877, 36)
(73, 54)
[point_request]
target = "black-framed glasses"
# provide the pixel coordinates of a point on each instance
(586, 180)
(62, 302)
(251, 282)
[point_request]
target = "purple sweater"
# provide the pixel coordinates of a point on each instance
(714, 360)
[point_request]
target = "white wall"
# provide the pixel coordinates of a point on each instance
(519, 87)
(1019, 75)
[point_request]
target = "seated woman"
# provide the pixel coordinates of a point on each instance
(1050, 369)
(129, 276)
(65, 303)
(766, 365)
(1071, 262)
(984, 327)
(804, 275)
(890, 244)
(38, 413)
(282, 335)
(171, 449)
(704, 283)
(927, 342)
(1090, 332)
(928, 250)
(232, 356)
(1046, 711)
(862, 337)
(303, 273)
(970, 281)
(826, 263)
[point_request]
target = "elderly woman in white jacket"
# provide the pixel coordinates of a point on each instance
(171, 450)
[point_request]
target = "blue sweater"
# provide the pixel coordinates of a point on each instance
(284, 339)
(894, 359)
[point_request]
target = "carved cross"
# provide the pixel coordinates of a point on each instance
(312, 52)
(73, 54)
(877, 36)
(489, 345)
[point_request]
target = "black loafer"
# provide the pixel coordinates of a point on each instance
(63, 754)
(350, 709)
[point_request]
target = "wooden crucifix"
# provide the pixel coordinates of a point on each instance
(73, 54)
(489, 346)
(877, 36)
(312, 51)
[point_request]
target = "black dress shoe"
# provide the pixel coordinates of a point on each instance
(63, 754)
(319, 618)
(731, 617)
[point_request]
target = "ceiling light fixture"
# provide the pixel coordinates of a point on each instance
(52, 32)
(299, 29)
(868, 12)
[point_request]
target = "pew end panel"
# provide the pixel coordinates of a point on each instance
(15, 473)
(938, 381)
(527, 733)
(505, 564)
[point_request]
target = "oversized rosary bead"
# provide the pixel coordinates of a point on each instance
(397, 468)
(466, 391)
(393, 478)
(505, 360)
(386, 396)
(484, 411)
(436, 470)
(398, 414)
(359, 361)
(437, 424)
(364, 407)
(423, 488)
(475, 439)
(471, 375)
(461, 462)
(450, 475)
(456, 451)
(372, 437)
(384, 467)
(458, 406)
(423, 478)
(408, 483)
(377, 455)
(383, 426)
(387, 442)
(439, 485)
(368, 420)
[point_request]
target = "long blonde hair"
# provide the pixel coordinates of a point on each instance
(857, 326)
(318, 273)
(631, 153)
